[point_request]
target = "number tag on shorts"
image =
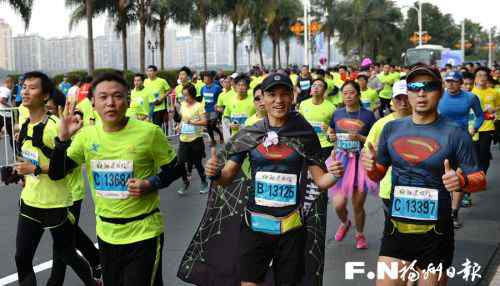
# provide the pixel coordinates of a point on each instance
(415, 203)
(275, 189)
(111, 176)
(209, 97)
(317, 126)
(344, 143)
(188, 128)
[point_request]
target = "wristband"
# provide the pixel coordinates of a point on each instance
(37, 171)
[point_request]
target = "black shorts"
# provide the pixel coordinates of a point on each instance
(138, 263)
(191, 151)
(285, 251)
(436, 246)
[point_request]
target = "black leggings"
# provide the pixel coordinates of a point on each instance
(83, 243)
(159, 118)
(211, 127)
(483, 151)
(385, 103)
(29, 233)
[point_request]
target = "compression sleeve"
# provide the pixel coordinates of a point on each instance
(168, 174)
(60, 164)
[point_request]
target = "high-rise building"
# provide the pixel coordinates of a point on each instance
(6, 48)
(64, 54)
(29, 51)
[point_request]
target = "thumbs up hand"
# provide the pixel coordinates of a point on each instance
(212, 163)
(336, 168)
(368, 157)
(451, 179)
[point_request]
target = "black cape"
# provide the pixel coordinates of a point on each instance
(212, 257)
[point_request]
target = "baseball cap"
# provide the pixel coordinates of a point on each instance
(454, 76)
(398, 88)
(423, 70)
(276, 79)
(234, 75)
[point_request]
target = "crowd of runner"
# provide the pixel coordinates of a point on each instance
(418, 137)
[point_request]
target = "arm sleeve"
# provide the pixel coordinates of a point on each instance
(167, 175)
(60, 164)
(478, 112)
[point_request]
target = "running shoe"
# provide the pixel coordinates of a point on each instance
(183, 190)
(466, 201)
(204, 188)
(361, 241)
(456, 223)
(342, 230)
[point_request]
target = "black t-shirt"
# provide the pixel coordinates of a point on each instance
(304, 83)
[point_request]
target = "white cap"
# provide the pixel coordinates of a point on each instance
(234, 75)
(398, 88)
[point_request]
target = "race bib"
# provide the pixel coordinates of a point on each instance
(239, 118)
(415, 203)
(318, 127)
(111, 177)
(305, 85)
(31, 156)
(275, 189)
(346, 144)
(187, 128)
(366, 104)
(209, 97)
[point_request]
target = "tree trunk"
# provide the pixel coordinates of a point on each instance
(279, 52)
(259, 47)
(274, 54)
(329, 48)
(163, 23)
(124, 49)
(235, 46)
(204, 35)
(142, 53)
(287, 52)
(90, 36)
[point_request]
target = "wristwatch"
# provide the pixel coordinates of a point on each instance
(37, 171)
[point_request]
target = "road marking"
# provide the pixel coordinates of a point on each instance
(38, 268)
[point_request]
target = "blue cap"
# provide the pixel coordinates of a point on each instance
(454, 76)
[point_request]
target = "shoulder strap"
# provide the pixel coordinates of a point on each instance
(37, 137)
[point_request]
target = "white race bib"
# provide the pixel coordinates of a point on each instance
(111, 177)
(275, 189)
(415, 203)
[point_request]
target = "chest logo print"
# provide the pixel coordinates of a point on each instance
(415, 149)
(275, 152)
(350, 124)
(94, 147)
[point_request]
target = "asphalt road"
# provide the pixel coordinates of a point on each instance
(477, 240)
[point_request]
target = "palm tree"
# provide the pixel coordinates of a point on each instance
(256, 24)
(236, 11)
(23, 7)
(143, 10)
(87, 9)
(123, 14)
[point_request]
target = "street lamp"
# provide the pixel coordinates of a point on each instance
(419, 16)
(248, 49)
(152, 47)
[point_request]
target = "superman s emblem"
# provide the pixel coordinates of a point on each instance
(415, 149)
(350, 124)
(275, 152)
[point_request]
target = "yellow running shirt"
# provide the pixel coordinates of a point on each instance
(190, 132)
(136, 151)
(319, 117)
(157, 87)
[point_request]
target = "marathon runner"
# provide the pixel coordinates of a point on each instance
(65, 85)
(139, 99)
(44, 201)
(348, 128)
(184, 78)
(387, 79)
(430, 156)
(303, 88)
(402, 108)
(281, 148)
(260, 108)
(490, 102)
(369, 97)
(241, 107)
(122, 156)
(191, 146)
(159, 88)
(210, 93)
(456, 105)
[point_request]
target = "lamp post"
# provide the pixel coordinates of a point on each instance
(419, 19)
(152, 47)
(248, 49)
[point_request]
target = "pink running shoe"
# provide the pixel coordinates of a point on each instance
(342, 231)
(361, 241)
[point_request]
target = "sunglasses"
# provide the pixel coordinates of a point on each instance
(426, 86)
(257, 98)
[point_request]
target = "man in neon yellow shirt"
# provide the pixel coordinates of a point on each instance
(318, 112)
(44, 201)
(122, 157)
(139, 99)
(490, 103)
(387, 79)
(402, 108)
(184, 78)
(160, 89)
(260, 108)
(241, 107)
(369, 97)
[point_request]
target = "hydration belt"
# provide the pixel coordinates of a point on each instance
(261, 222)
(128, 219)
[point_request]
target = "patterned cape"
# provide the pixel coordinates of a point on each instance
(212, 257)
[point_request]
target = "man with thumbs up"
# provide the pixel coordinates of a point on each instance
(431, 157)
